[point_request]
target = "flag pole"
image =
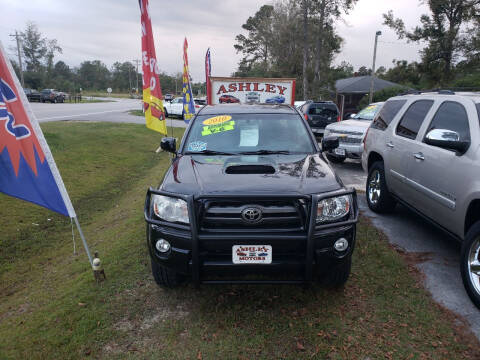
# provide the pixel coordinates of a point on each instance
(85, 245)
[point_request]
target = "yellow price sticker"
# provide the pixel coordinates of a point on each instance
(217, 120)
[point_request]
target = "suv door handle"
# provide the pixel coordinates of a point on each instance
(390, 145)
(419, 156)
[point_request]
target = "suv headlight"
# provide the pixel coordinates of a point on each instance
(333, 209)
(170, 209)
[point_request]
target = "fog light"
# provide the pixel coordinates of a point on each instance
(162, 245)
(341, 244)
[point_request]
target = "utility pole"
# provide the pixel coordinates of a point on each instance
(373, 67)
(17, 36)
(137, 61)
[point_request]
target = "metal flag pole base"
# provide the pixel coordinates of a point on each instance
(98, 271)
(85, 245)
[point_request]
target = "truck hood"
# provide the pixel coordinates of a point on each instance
(350, 125)
(269, 174)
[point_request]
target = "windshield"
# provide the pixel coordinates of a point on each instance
(248, 133)
(368, 113)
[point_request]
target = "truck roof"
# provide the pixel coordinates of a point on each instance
(247, 109)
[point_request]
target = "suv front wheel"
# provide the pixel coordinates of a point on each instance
(470, 263)
(378, 197)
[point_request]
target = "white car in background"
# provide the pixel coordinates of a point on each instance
(351, 133)
(175, 107)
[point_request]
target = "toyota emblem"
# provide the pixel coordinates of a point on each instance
(252, 215)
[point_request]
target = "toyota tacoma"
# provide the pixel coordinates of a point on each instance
(250, 199)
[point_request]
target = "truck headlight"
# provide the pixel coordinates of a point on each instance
(333, 209)
(170, 209)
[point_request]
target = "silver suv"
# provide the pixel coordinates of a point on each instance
(423, 150)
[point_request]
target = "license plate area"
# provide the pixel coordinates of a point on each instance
(252, 254)
(340, 152)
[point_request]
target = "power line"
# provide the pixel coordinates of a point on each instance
(137, 62)
(18, 36)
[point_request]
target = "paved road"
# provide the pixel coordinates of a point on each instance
(414, 235)
(441, 268)
(113, 111)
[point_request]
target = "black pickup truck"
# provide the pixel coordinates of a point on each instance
(250, 199)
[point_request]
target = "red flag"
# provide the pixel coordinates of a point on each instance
(208, 73)
(152, 92)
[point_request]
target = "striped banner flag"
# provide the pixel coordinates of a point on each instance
(188, 104)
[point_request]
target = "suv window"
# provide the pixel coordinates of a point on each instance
(413, 118)
(388, 113)
(326, 110)
(451, 116)
(478, 110)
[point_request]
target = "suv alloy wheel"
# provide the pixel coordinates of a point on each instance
(378, 197)
(470, 263)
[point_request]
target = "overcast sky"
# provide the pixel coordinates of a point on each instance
(109, 30)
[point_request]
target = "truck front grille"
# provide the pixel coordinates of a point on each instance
(226, 215)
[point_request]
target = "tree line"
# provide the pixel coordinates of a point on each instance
(40, 71)
(298, 38)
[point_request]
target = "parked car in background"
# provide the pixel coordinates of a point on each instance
(199, 103)
(351, 134)
(278, 99)
(227, 99)
(248, 192)
(319, 114)
(33, 95)
(423, 151)
(174, 107)
(52, 96)
(252, 97)
(299, 104)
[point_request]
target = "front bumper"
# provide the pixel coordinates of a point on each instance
(352, 151)
(203, 255)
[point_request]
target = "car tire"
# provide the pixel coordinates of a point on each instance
(470, 255)
(165, 277)
(338, 275)
(378, 196)
(335, 159)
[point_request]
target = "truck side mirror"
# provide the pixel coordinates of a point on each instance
(169, 144)
(330, 143)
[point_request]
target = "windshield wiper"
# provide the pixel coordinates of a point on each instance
(207, 152)
(266, 152)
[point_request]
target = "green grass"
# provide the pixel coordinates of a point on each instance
(50, 307)
(106, 94)
(87, 101)
(136, 112)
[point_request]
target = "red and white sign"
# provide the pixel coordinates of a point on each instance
(252, 254)
(252, 90)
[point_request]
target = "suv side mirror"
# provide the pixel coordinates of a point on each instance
(447, 139)
(330, 143)
(169, 144)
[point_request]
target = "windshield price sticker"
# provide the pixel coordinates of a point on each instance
(219, 128)
(217, 120)
(197, 146)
